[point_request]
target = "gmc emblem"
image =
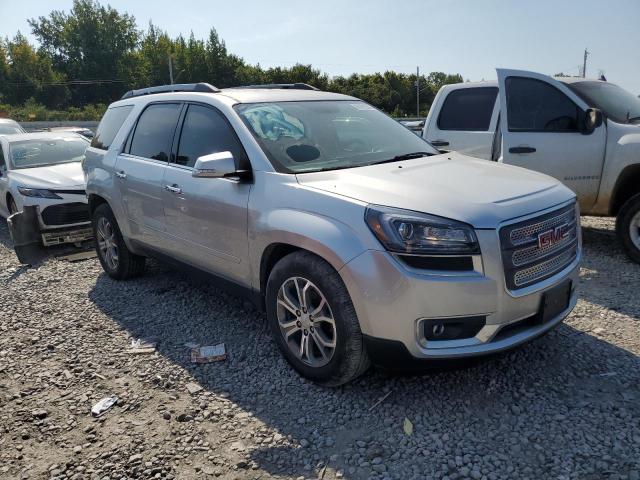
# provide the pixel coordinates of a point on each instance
(553, 236)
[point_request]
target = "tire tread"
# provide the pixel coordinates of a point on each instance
(623, 220)
(130, 265)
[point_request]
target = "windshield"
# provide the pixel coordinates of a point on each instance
(310, 136)
(618, 104)
(42, 152)
(8, 129)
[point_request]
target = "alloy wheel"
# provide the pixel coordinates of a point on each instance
(107, 245)
(306, 321)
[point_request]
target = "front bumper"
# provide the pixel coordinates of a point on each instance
(76, 234)
(392, 301)
(60, 221)
(29, 233)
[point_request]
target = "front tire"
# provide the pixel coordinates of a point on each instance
(628, 227)
(313, 321)
(116, 259)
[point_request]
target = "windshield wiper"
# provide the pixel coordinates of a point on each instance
(633, 119)
(328, 169)
(397, 158)
(405, 156)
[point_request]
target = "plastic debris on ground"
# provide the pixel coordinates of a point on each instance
(103, 405)
(408, 426)
(193, 388)
(208, 353)
(143, 345)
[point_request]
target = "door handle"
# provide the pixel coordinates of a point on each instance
(522, 149)
(173, 188)
(440, 143)
(121, 174)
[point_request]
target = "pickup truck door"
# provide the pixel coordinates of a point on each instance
(139, 171)
(207, 217)
(541, 124)
(463, 119)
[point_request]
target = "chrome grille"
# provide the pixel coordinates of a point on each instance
(538, 248)
(530, 254)
(527, 233)
(544, 269)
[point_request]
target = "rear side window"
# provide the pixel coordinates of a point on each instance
(206, 131)
(109, 126)
(468, 109)
(2, 162)
(536, 106)
(154, 131)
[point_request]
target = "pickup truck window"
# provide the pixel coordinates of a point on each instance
(536, 106)
(618, 104)
(468, 109)
(154, 131)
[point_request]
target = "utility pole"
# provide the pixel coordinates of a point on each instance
(584, 63)
(417, 91)
(170, 70)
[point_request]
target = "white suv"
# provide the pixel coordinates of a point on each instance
(356, 236)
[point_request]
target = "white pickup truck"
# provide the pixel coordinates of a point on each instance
(585, 133)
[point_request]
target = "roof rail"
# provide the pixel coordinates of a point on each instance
(292, 86)
(177, 87)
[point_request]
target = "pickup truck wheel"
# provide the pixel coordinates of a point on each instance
(628, 227)
(114, 256)
(313, 321)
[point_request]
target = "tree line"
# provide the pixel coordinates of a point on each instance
(89, 56)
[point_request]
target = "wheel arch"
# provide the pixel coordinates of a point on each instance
(94, 201)
(6, 199)
(627, 185)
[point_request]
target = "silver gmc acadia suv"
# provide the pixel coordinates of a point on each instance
(362, 242)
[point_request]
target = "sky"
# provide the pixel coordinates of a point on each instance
(365, 36)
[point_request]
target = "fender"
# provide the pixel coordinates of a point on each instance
(620, 166)
(99, 166)
(330, 239)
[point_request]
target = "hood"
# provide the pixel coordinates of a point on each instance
(65, 175)
(478, 192)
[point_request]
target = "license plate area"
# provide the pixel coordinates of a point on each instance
(555, 301)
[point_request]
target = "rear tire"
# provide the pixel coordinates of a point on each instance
(628, 227)
(116, 259)
(329, 324)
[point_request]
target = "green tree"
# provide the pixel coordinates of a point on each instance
(30, 74)
(92, 42)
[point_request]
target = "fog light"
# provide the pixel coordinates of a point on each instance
(438, 330)
(453, 328)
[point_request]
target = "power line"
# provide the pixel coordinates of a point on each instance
(68, 82)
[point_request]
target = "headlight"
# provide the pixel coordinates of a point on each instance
(405, 231)
(38, 193)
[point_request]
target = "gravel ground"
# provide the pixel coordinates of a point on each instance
(565, 406)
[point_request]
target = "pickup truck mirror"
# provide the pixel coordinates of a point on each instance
(592, 120)
(215, 165)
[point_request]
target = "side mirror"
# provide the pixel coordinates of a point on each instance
(215, 165)
(592, 120)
